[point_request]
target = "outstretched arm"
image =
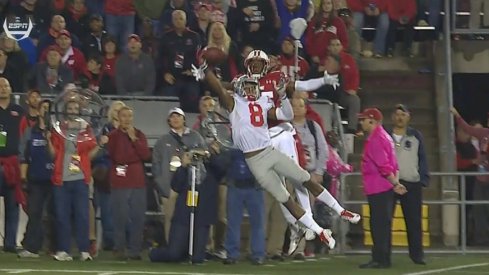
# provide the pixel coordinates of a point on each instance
(315, 83)
(203, 73)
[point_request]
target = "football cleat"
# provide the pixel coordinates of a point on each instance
(327, 238)
(350, 216)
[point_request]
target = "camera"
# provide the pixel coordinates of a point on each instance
(198, 154)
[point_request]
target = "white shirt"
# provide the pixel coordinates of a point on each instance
(249, 123)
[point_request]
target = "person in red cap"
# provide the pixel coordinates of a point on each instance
(380, 177)
(71, 56)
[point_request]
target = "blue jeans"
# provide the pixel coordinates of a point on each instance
(253, 200)
(11, 214)
(120, 27)
(102, 201)
(71, 200)
(381, 30)
(177, 249)
(128, 212)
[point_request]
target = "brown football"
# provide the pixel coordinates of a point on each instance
(214, 56)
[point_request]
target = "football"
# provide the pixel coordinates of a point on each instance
(213, 55)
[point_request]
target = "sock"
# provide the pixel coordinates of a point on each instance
(309, 222)
(309, 85)
(330, 201)
(302, 196)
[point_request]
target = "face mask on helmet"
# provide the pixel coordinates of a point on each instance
(257, 63)
(249, 89)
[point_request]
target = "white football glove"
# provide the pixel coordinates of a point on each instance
(199, 73)
(281, 86)
(331, 80)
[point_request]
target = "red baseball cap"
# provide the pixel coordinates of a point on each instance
(372, 113)
(135, 37)
(65, 33)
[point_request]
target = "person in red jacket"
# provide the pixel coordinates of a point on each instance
(321, 29)
(401, 13)
(71, 175)
(350, 81)
(71, 56)
(287, 61)
(119, 19)
(128, 149)
(373, 10)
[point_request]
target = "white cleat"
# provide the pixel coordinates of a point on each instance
(327, 238)
(62, 256)
(27, 254)
(310, 235)
(296, 236)
(85, 256)
(350, 216)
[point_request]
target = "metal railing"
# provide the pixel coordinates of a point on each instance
(461, 201)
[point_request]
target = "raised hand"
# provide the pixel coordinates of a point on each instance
(331, 80)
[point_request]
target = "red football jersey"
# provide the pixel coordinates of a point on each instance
(267, 87)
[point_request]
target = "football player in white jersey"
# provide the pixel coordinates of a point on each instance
(248, 117)
(283, 136)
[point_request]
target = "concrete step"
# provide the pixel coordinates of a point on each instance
(396, 80)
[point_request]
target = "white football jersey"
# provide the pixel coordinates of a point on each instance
(249, 123)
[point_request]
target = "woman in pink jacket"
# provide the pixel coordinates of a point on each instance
(380, 177)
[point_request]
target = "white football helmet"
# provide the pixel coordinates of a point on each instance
(247, 87)
(257, 55)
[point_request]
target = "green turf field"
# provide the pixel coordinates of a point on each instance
(344, 265)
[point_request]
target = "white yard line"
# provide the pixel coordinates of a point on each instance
(447, 269)
(107, 272)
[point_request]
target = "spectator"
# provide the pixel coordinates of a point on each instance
(101, 183)
(287, 61)
(401, 13)
(166, 19)
(414, 175)
(311, 114)
(95, 78)
(110, 59)
(468, 160)
(371, 10)
(210, 174)
(323, 27)
(243, 192)
(350, 81)
(31, 118)
(39, 12)
(16, 62)
(93, 42)
(225, 12)
(128, 149)
(10, 182)
(9, 72)
(244, 52)
(77, 18)
(255, 23)
(179, 138)
(71, 56)
(354, 39)
(380, 177)
(71, 176)
(178, 52)
(51, 76)
(434, 8)
(148, 39)
(335, 165)
(134, 70)
(481, 188)
(219, 38)
(288, 10)
(202, 22)
(36, 170)
(120, 19)
(95, 6)
(58, 25)
(207, 104)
